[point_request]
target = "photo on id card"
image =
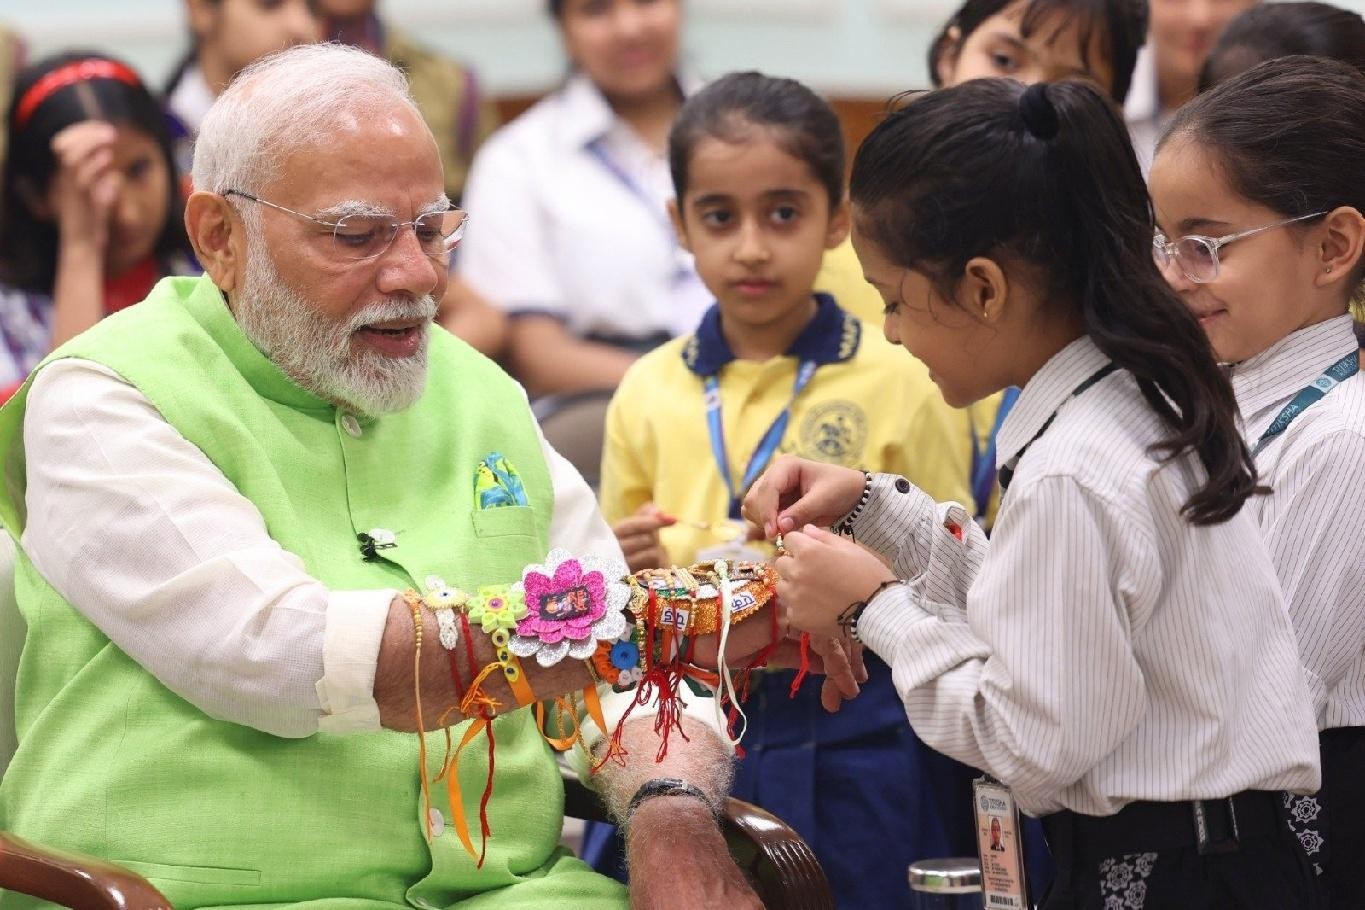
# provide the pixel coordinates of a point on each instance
(999, 846)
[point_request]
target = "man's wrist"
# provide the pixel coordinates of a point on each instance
(669, 790)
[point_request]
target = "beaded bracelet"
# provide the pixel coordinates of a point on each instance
(845, 525)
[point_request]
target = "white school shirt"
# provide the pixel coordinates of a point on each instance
(1098, 649)
(1147, 120)
(1314, 517)
(568, 217)
(136, 528)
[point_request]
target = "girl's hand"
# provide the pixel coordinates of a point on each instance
(795, 492)
(638, 536)
(821, 576)
(85, 186)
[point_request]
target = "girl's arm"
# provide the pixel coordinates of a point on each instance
(1043, 682)
(907, 528)
(1311, 524)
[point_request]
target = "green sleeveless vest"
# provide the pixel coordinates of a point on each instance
(112, 763)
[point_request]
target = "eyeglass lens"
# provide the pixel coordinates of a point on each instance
(367, 236)
(1195, 257)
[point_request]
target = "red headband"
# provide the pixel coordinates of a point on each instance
(70, 74)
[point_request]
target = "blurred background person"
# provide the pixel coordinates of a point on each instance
(569, 231)
(448, 93)
(1181, 35)
(92, 214)
(225, 37)
(11, 59)
(1272, 30)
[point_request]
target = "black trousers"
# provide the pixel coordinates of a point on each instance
(1147, 857)
(1336, 837)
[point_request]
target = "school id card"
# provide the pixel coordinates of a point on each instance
(999, 846)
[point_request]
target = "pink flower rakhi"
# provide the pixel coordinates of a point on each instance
(572, 602)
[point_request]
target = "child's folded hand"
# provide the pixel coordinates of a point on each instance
(638, 536)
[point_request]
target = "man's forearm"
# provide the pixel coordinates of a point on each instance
(394, 687)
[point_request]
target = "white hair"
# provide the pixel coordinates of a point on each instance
(285, 101)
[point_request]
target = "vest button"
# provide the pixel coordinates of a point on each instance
(902, 485)
(351, 425)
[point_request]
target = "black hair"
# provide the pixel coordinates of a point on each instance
(28, 244)
(1271, 30)
(1288, 134)
(1045, 176)
(1123, 24)
(556, 7)
(804, 125)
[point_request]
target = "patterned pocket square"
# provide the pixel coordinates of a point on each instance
(497, 483)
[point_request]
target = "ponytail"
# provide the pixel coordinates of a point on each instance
(1047, 174)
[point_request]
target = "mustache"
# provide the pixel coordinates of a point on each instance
(394, 309)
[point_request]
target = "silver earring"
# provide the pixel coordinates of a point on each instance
(1329, 270)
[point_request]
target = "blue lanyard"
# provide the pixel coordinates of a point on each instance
(767, 446)
(1336, 374)
(983, 461)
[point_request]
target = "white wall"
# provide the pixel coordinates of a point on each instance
(860, 46)
(843, 46)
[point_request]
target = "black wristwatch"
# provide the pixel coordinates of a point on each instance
(666, 786)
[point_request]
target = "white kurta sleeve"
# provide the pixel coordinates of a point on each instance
(140, 532)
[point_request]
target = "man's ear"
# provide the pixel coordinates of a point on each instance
(679, 226)
(219, 238)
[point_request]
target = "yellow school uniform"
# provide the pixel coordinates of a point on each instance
(867, 405)
(841, 275)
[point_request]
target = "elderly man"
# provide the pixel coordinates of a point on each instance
(219, 495)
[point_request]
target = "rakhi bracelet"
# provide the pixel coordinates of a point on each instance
(445, 603)
(512, 670)
(691, 599)
(497, 609)
(620, 663)
(845, 525)
(414, 603)
(572, 603)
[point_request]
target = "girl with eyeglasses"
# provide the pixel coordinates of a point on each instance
(92, 211)
(1259, 189)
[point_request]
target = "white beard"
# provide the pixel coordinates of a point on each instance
(317, 353)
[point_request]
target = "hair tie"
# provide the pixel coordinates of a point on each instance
(1038, 112)
(68, 75)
